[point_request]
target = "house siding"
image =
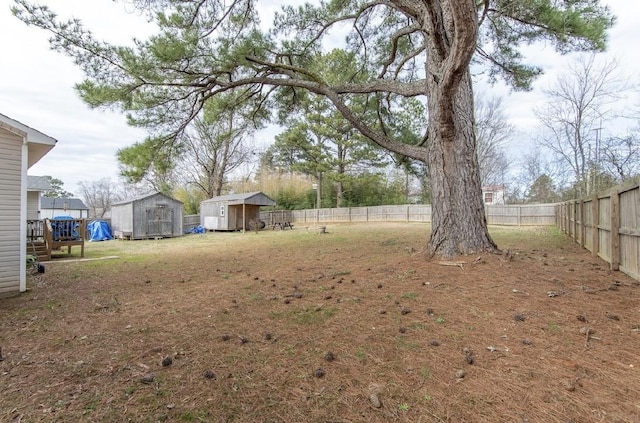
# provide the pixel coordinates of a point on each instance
(53, 213)
(10, 198)
(33, 205)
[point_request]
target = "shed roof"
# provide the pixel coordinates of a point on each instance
(257, 198)
(142, 197)
(39, 144)
(38, 183)
(59, 203)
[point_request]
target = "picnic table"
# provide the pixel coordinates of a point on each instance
(281, 225)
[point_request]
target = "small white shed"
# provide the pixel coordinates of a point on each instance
(151, 216)
(233, 212)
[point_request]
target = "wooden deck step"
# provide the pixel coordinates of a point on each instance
(39, 249)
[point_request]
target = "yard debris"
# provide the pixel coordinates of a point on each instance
(509, 254)
(375, 400)
(329, 356)
(468, 356)
(459, 264)
(587, 332)
(460, 374)
(167, 361)
(148, 378)
(318, 373)
(208, 374)
(568, 385)
(552, 294)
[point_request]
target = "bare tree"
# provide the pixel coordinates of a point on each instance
(537, 171)
(620, 156)
(99, 195)
(214, 149)
(578, 104)
(493, 130)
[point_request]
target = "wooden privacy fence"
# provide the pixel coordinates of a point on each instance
(608, 226)
(190, 221)
(518, 215)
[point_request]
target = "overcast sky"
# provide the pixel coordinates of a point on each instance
(36, 86)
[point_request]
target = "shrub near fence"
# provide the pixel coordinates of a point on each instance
(607, 225)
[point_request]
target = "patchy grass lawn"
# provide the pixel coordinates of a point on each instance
(349, 326)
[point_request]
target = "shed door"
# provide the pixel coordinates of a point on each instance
(159, 221)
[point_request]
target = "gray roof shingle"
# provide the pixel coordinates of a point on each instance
(58, 203)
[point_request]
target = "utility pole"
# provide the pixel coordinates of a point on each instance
(596, 158)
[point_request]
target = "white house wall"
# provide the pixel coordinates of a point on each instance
(51, 213)
(10, 212)
(33, 205)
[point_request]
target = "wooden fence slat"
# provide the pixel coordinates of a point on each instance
(595, 231)
(615, 230)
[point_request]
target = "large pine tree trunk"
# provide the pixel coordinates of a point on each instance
(458, 219)
(457, 208)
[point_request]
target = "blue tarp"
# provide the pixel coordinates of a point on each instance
(63, 230)
(99, 231)
(196, 230)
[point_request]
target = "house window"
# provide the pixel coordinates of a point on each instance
(488, 197)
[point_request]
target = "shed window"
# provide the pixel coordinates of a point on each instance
(488, 197)
(221, 211)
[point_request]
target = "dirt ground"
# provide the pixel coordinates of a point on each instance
(354, 325)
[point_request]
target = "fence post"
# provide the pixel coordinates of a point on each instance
(615, 229)
(595, 221)
(519, 215)
(407, 213)
(576, 226)
(583, 226)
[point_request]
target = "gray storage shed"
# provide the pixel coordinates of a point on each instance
(233, 212)
(150, 216)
